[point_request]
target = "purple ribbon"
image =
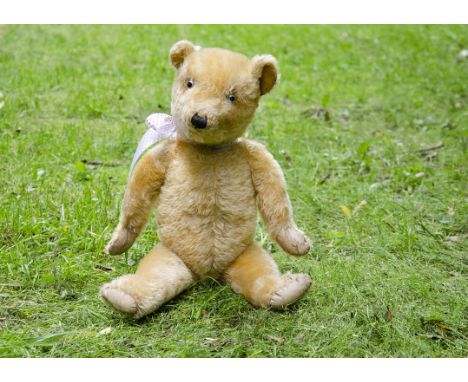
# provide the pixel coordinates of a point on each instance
(160, 126)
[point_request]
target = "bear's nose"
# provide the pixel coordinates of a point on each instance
(199, 122)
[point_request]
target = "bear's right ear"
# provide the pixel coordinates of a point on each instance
(179, 52)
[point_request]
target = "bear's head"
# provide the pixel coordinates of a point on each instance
(216, 91)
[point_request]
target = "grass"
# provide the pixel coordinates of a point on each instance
(353, 109)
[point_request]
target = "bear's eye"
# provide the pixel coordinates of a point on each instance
(189, 83)
(231, 97)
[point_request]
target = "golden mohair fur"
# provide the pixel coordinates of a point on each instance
(207, 185)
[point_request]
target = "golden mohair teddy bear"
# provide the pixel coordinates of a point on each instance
(207, 184)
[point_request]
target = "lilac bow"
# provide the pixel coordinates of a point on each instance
(160, 126)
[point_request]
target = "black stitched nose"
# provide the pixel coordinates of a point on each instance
(199, 122)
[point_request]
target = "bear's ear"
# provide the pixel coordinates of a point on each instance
(265, 68)
(179, 52)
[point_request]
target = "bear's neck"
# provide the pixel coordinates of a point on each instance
(202, 147)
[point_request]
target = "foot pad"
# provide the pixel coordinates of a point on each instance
(119, 299)
(295, 285)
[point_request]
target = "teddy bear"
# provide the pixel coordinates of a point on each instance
(207, 184)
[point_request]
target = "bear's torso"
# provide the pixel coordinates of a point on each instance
(206, 210)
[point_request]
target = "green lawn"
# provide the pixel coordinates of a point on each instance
(351, 119)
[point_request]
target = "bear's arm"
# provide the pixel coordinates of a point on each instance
(273, 200)
(140, 197)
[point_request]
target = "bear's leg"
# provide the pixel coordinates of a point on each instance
(160, 276)
(255, 275)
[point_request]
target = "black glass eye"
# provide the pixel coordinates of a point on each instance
(232, 98)
(189, 83)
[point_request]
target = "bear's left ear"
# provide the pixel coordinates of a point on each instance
(265, 68)
(179, 52)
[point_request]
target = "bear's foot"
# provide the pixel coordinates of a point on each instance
(294, 286)
(119, 299)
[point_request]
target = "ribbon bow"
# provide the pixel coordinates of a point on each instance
(160, 126)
